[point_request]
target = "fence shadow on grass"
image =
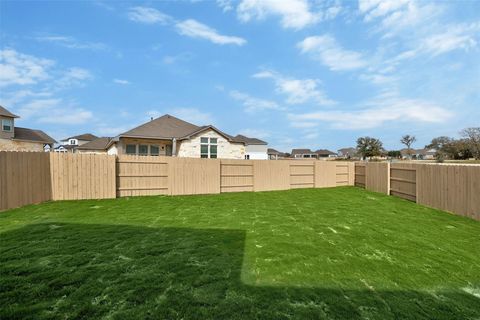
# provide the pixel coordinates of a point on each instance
(127, 272)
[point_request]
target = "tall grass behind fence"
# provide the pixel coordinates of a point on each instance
(450, 187)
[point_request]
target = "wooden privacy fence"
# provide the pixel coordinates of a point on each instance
(138, 175)
(34, 177)
(450, 187)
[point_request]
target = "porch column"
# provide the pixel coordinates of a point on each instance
(174, 147)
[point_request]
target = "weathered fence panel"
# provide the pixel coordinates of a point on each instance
(142, 176)
(24, 178)
(454, 188)
(403, 180)
(82, 176)
(360, 171)
(377, 177)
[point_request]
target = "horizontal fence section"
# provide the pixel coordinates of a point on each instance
(141, 176)
(403, 180)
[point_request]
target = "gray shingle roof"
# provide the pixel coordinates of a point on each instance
(4, 112)
(32, 135)
(97, 144)
(247, 140)
(84, 136)
(166, 127)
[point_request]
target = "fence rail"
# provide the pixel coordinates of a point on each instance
(453, 188)
(34, 177)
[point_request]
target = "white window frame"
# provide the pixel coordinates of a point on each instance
(10, 121)
(209, 144)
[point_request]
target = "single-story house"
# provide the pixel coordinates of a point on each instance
(418, 154)
(324, 153)
(303, 153)
(348, 153)
(170, 136)
(275, 155)
(71, 144)
(13, 138)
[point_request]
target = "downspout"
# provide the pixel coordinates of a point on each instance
(174, 147)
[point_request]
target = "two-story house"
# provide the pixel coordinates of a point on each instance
(13, 138)
(71, 144)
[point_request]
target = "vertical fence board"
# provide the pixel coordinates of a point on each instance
(377, 177)
(271, 175)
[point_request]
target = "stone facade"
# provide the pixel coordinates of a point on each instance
(16, 145)
(225, 150)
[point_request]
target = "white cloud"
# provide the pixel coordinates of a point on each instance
(226, 5)
(295, 14)
(22, 69)
(253, 104)
(71, 43)
(455, 37)
(255, 133)
(54, 111)
(148, 15)
(377, 112)
(73, 76)
(298, 91)
(326, 49)
(192, 115)
(194, 29)
(121, 81)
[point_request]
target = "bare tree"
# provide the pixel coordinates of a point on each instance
(472, 136)
(408, 140)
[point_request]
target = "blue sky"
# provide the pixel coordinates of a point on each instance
(295, 73)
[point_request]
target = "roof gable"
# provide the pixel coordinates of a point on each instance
(164, 127)
(84, 136)
(4, 112)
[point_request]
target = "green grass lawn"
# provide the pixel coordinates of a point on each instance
(337, 253)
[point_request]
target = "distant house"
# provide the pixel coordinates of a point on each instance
(71, 144)
(302, 153)
(170, 136)
(13, 138)
(97, 146)
(418, 154)
(347, 153)
(307, 153)
(324, 153)
(275, 155)
(255, 149)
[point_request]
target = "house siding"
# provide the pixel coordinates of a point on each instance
(257, 152)
(225, 150)
(13, 145)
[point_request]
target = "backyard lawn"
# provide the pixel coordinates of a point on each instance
(337, 253)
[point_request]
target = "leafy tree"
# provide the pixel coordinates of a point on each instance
(394, 154)
(450, 148)
(408, 140)
(369, 147)
(472, 138)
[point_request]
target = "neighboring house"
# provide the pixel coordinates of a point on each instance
(170, 136)
(419, 154)
(275, 155)
(303, 153)
(98, 146)
(72, 143)
(324, 153)
(255, 149)
(348, 153)
(13, 138)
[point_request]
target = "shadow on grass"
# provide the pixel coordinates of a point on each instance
(92, 271)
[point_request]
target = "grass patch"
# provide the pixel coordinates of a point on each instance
(339, 253)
